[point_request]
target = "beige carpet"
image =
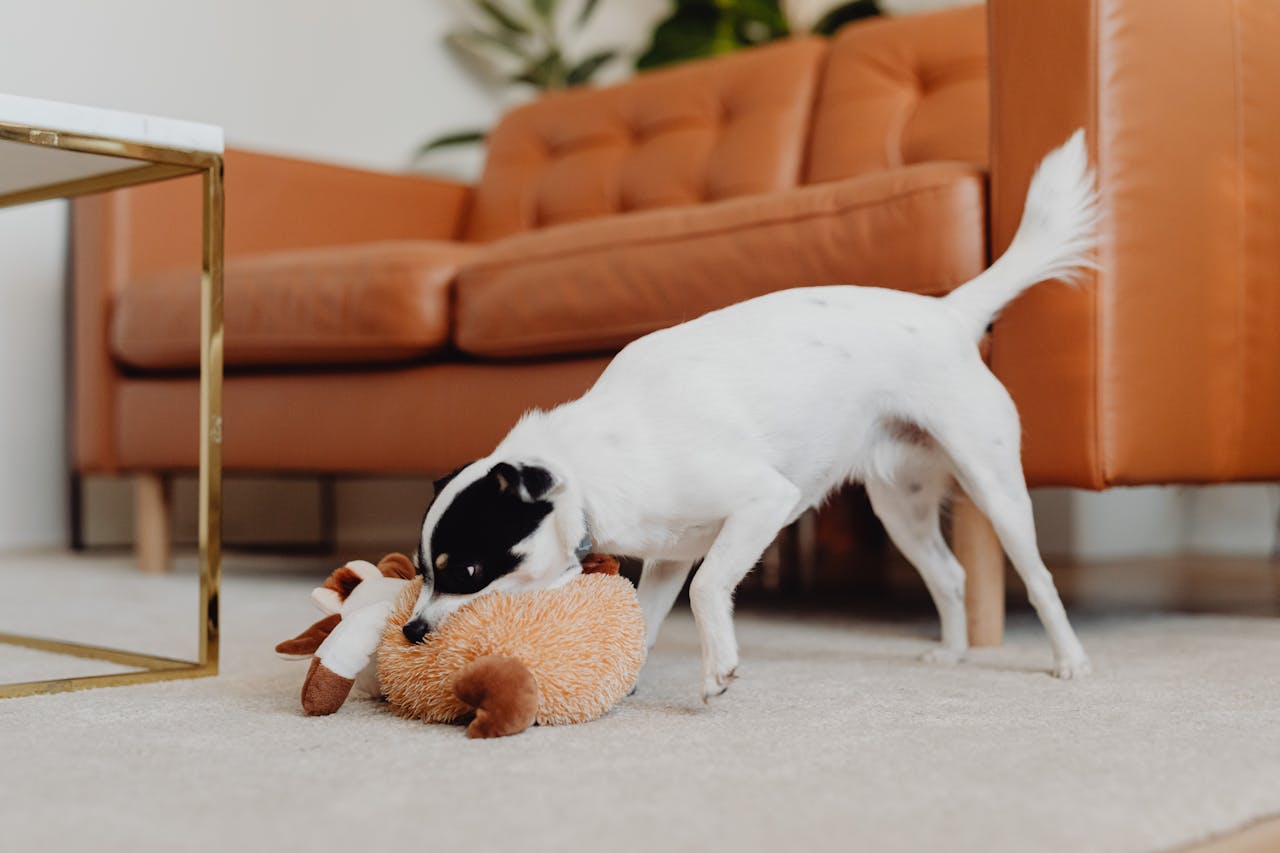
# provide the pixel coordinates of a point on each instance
(834, 738)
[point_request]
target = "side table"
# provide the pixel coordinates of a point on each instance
(53, 150)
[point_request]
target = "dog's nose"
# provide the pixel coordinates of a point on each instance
(415, 630)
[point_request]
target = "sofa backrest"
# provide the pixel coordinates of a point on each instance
(704, 131)
(882, 93)
(897, 91)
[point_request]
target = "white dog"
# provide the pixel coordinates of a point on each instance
(701, 441)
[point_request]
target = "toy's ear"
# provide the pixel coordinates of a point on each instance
(306, 643)
(342, 582)
(327, 600)
(330, 595)
(397, 566)
(530, 482)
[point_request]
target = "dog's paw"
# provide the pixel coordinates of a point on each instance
(1069, 668)
(716, 684)
(944, 654)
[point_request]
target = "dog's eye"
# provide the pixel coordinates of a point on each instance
(463, 577)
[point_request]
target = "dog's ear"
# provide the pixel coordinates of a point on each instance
(529, 482)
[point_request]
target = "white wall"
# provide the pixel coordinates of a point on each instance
(32, 468)
(362, 84)
(359, 83)
(1237, 520)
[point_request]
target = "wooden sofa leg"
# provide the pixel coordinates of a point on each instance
(976, 547)
(152, 530)
(75, 511)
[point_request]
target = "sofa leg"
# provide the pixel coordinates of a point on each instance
(978, 550)
(152, 531)
(75, 512)
(328, 514)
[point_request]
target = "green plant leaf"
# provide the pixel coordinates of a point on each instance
(544, 8)
(501, 18)
(757, 21)
(689, 32)
(586, 69)
(588, 9)
(451, 140)
(473, 43)
(698, 28)
(845, 13)
(549, 72)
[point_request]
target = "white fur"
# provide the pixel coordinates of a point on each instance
(350, 649)
(329, 601)
(703, 440)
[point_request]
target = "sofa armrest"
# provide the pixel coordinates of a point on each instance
(273, 203)
(1165, 365)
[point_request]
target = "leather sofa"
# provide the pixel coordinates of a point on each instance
(380, 323)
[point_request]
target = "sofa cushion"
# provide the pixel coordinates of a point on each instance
(897, 91)
(377, 302)
(703, 131)
(594, 286)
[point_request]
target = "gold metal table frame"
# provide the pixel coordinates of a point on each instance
(141, 163)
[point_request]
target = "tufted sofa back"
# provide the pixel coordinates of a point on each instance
(884, 93)
(699, 132)
(901, 91)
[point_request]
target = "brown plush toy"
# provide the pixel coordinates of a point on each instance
(504, 662)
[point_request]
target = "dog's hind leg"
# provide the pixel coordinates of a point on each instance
(909, 507)
(660, 584)
(771, 502)
(980, 433)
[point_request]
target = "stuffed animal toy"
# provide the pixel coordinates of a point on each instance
(505, 662)
(357, 599)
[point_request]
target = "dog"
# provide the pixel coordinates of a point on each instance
(703, 440)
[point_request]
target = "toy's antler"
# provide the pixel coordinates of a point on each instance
(306, 643)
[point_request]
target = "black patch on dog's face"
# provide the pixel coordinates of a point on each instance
(420, 556)
(471, 545)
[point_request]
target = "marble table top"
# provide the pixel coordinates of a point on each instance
(24, 166)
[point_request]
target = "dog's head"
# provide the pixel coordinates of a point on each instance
(494, 526)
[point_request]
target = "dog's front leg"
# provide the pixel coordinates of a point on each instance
(660, 583)
(742, 539)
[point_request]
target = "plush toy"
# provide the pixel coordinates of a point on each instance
(551, 657)
(357, 598)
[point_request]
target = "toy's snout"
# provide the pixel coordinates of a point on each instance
(416, 629)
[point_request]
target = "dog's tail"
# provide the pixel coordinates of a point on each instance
(1053, 240)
